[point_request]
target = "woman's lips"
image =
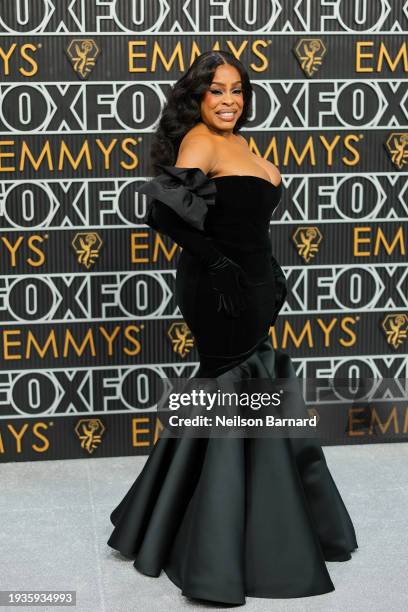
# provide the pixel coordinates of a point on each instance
(226, 115)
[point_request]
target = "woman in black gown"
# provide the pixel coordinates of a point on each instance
(229, 517)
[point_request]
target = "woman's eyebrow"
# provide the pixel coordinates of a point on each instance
(220, 83)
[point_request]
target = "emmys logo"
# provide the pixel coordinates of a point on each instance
(83, 54)
(307, 240)
(87, 246)
(396, 146)
(181, 338)
(309, 53)
(395, 327)
(90, 432)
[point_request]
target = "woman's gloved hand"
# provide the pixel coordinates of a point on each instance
(281, 288)
(230, 282)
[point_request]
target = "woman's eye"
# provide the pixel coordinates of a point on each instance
(215, 91)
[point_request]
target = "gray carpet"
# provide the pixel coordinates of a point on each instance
(55, 523)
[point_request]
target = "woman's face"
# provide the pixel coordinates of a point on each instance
(223, 102)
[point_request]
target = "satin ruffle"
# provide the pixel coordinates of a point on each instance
(225, 518)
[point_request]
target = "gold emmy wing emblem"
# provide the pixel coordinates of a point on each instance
(395, 327)
(90, 432)
(314, 412)
(397, 147)
(307, 240)
(309, 53)
(87, 246)
(181, 338)
(83, 54)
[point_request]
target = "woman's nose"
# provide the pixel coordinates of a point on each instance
(227, 97)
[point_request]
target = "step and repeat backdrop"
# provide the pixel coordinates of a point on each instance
(89, 318)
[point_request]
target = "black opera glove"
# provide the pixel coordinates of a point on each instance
(281, 288)
(229, 281)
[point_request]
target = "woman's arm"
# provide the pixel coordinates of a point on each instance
(196, 152)
(182, 194)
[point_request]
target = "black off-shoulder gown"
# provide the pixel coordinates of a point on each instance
(229, 517)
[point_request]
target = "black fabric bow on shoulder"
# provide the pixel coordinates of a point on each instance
(188, 191)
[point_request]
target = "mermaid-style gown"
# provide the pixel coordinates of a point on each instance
(229, 517)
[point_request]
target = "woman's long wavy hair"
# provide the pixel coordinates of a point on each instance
(182, 109)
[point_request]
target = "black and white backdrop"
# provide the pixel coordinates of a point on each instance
(87, 305)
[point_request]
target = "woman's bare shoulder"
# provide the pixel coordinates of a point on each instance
(198, 132)
(242, 139)
(197, 150)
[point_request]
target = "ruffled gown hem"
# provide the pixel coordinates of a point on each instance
(254, 592)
